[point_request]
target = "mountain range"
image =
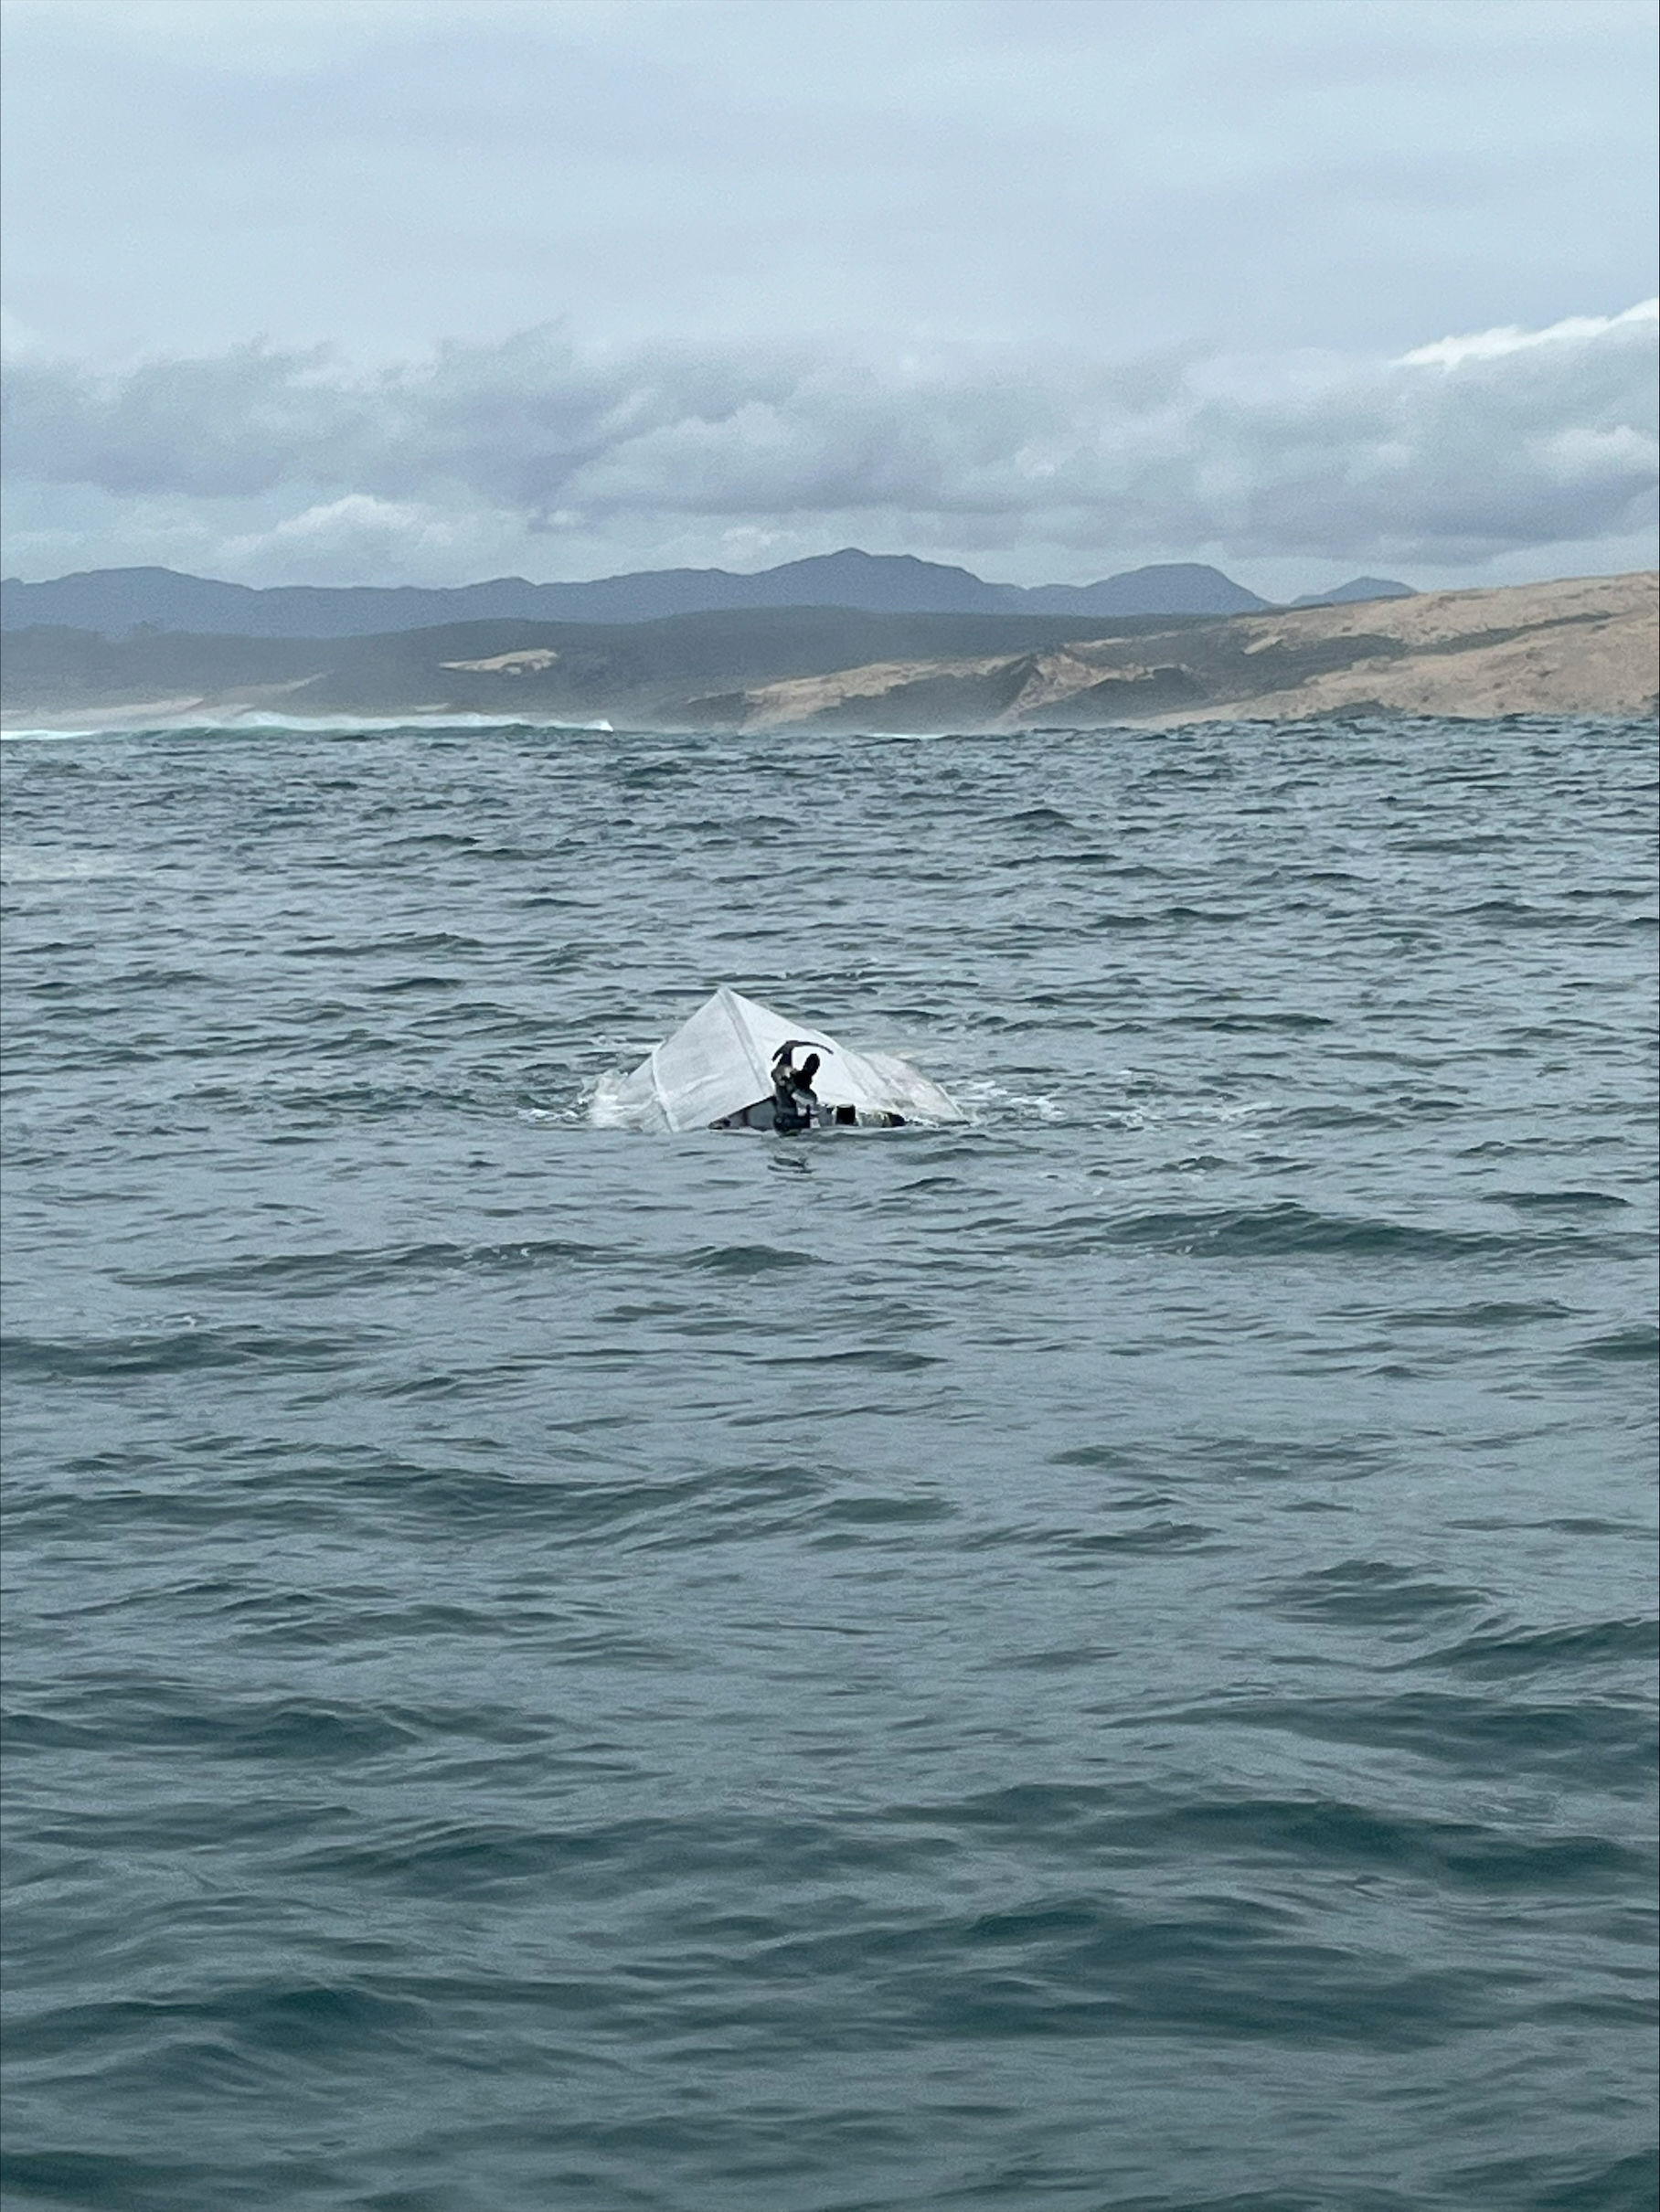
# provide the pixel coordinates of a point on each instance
(1585, 645)
(116, 602)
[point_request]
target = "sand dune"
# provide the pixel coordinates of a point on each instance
(1586, 645)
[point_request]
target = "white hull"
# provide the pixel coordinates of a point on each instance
(717, 1067)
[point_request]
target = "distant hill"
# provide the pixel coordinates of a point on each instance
(624, 671)
(1578, 647)
(1357, 588)
(115, 602)
(1175, 588)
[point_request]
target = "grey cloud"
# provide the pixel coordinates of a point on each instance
(1517, 444)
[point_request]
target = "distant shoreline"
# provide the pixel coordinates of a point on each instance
(1580, 645)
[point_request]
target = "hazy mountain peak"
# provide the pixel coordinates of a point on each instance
(118, 602)
(1357, 588)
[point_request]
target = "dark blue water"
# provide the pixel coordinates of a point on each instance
(1103, 1659)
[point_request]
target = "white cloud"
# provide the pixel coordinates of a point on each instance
(540, 454)
(362, 536)
(19, 339)
(1492, 345)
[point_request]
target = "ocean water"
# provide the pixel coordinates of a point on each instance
(1104, 1658)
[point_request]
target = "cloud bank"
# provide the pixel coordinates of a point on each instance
(548, 456)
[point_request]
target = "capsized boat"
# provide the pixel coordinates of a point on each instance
(718, 1070)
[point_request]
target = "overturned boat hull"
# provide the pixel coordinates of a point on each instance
(717, 1071)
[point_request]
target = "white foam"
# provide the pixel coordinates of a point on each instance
(607, 1108)
(323, 724)
(54, 737)
(982, 1094)
(211, 726)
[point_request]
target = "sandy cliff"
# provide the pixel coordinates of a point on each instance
(1588, 646)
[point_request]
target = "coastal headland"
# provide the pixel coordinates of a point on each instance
(1583, 645)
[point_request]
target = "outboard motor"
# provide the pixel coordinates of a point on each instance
(794, 1100)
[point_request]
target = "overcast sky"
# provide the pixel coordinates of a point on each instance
(387, 290)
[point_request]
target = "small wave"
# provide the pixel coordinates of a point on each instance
(1532, 1651)
(301, 1730)
(323, 726)
(52, 737)
(1296, 1022)
(1592, 2182)
(1513, 913)
(747, 1259)
(43, 864)
(1484, 1314)
(1328, 1833)
(1591, 1743)
(173, 1351)
(1290, 1228)
(1144, 1539)
(1561, 1201)
(1641, 1342)
(363, 1267)
(1369, 1593)
(149, 2183)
